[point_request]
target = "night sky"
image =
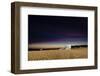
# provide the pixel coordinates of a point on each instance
(42, 29)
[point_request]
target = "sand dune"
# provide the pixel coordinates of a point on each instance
(58, 54)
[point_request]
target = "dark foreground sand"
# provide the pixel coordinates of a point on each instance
(58, 54)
